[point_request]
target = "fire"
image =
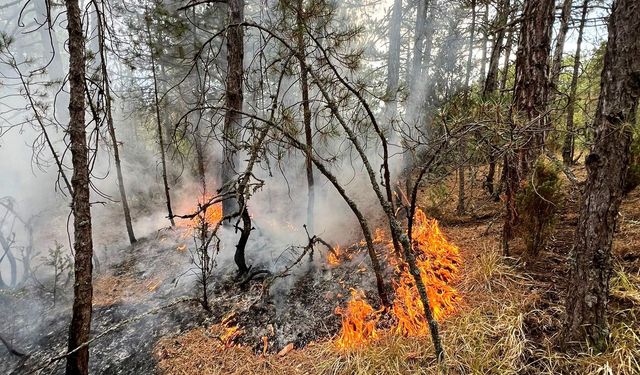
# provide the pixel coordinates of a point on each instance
(438, 262)
(230, 331)
(359, 321)
(333, 257)
(212, 215)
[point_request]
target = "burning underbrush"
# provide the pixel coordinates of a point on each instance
(327, 303)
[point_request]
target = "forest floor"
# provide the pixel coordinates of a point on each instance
(507, 321)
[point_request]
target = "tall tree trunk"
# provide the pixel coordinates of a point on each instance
(491, 83)
(419, 37)
(607, 166)
(233, 99)
(529, 109)
(460, 208)
(79, 329)
(393, 64)
(472, 33)
(507, 56)
(306, 114)
(199, 92)
(567, 146)
(556, 66)
(485, 42)
(110, 126)
(163, 157)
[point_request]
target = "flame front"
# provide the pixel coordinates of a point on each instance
(359, 321)
(438, 262)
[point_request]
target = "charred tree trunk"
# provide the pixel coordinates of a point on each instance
(569, 138)
(491, 83)
(529, 110)
(233, 99)
(556, 66)
(163, 157)
(607, 165)
(79, 329)
(111, 127)
(13, 264)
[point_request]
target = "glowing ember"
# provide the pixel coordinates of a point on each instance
(438, 262)
(359, 321)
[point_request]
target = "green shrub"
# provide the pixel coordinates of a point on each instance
(538, 203)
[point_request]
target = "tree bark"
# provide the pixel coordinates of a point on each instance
(569, 138)
(233, 99)
(79, 329)
(529, 109)
(607, 165)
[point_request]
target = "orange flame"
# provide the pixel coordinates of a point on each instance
(359, 322)
(438, 262)
(333, 257)
(212, 215)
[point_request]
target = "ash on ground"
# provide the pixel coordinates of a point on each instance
(135, 284)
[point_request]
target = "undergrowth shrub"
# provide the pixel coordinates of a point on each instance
(538, 203)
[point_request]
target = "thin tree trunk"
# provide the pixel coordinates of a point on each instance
(607, 166)
(163, 158)
(567, 146)
(304, 83)
(556, 66)
(472, 33)
(485, 43)
(491, 83)
(79, 329)
(529, 109)
(419, 37)
(233, 99)
(199, 147)
(110, 126)
(505, 64)
(393, 65)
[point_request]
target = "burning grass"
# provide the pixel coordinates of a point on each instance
(438, 261)
(487, 335)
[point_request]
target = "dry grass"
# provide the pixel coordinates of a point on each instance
(486, 336)
(490, 333)
(109, 289)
